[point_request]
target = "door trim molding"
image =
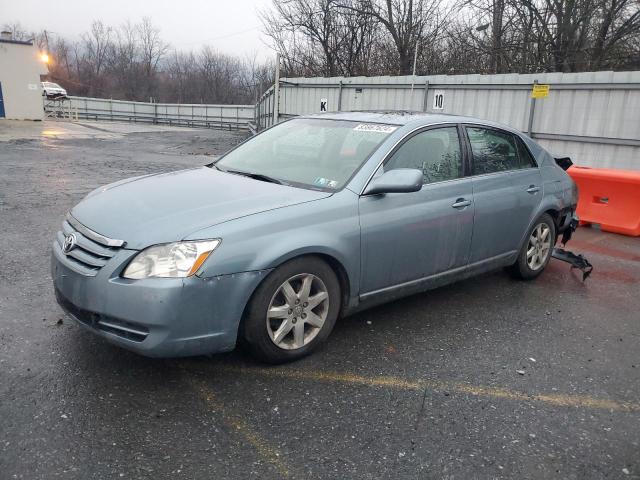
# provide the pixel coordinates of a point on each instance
(438, 279)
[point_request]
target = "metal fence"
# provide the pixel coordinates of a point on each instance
(196, 115)
(592, 117)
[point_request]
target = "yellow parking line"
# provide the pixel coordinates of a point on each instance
(266, 451)
(562, 400)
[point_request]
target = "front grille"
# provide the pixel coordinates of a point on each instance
(91, 251)
(114, 326)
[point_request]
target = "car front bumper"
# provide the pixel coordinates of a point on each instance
(157, 317)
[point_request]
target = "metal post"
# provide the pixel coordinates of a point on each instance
(340, 97)
(271, 107)
(413, 78)
(426, 96)
(268, 112)
(532, 108)
(276, 100)
(255, 116)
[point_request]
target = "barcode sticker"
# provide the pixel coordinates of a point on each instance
(375, 127)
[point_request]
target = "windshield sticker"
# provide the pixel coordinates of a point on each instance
(325, 182)
(375, 127)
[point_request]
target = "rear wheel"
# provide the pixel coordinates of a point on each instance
(292, 311)
(536, 251)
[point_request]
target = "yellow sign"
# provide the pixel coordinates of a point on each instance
(540, 91)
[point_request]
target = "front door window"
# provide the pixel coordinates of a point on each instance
(436, 153)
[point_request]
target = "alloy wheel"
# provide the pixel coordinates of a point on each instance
(539, 246)
(297, 311)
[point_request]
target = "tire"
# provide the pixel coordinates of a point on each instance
(528, 267)
(275, 328)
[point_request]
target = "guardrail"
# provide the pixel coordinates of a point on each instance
(191, 115)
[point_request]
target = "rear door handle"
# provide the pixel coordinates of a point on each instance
(533, 189)
(461, 203)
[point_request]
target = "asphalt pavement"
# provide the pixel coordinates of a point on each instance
(487, 378)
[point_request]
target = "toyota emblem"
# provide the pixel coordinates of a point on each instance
(69, 242)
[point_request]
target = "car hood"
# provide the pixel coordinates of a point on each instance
(168, 207)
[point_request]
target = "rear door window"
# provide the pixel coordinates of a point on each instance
(526, 159)
(493, 151)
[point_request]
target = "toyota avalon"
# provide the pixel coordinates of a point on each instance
(311, 220)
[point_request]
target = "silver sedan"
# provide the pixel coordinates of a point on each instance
(313, 219)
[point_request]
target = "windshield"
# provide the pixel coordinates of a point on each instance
(307, 152)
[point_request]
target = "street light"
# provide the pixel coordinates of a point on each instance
(44, 56)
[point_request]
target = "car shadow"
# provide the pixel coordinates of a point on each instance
(454, 317)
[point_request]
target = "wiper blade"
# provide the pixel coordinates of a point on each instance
(256, 176)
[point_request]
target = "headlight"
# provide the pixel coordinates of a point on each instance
(172, 260)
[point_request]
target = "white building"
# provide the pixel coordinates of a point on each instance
(20, 70)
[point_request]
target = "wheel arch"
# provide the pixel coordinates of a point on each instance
(334, 263)
(555, 214)
(552, 210)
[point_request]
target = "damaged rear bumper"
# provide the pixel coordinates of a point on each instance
(575, 260)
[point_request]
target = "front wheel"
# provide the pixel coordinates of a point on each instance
(292, 311)
(536, 251)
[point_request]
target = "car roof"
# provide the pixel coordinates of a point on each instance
(406, 117)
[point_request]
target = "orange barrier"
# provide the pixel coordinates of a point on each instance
(609, 197)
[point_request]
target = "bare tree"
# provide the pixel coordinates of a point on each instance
(18, 32)
(152, 46)
(96, 49)
(124, 61)
(152, 50)
(408, 22)
(618, 27)
(351, 37)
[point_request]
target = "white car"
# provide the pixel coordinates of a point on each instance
(52, 90)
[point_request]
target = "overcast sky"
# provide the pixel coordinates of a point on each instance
(231, 26)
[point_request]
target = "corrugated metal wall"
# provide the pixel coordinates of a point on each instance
(593, 117)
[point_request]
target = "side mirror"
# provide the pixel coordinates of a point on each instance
(401, 180)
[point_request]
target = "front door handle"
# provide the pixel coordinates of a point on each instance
(533, 189)
(461, 203)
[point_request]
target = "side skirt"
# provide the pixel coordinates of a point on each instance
(394, 292)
